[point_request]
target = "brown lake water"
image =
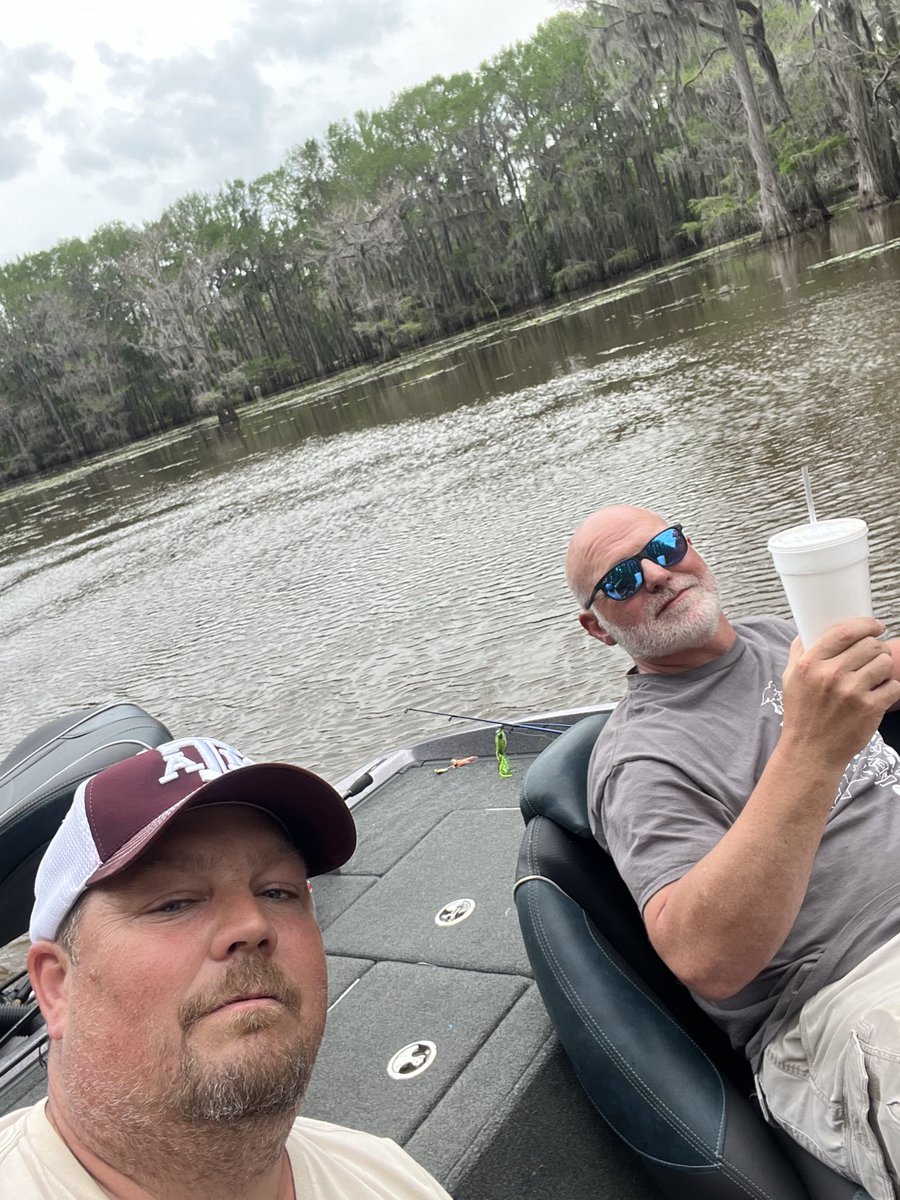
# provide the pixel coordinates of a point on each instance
(395, 537)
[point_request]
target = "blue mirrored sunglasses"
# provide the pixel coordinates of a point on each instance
(623, 580)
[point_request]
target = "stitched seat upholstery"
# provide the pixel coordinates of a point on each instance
(655, 1067)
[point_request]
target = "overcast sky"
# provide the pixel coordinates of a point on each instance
(111, 109)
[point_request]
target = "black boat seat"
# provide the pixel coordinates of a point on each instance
(655, 1067)
(38, 780)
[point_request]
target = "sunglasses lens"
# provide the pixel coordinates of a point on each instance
(623, 580)
(667, 548)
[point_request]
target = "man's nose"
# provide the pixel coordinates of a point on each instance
(244, 926)
(655, 576)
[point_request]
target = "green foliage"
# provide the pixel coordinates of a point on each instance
(206, 403)
(692, 232)
(828, 147)
(623, 260)
(614, 136)
(794, 155)
(575, 275)
(270, 373)
(718, 218)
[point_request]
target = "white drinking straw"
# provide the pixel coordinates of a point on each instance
(807, 487)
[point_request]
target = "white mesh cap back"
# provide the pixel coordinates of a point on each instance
(69, 861)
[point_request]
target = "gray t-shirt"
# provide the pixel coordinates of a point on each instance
(671, 772)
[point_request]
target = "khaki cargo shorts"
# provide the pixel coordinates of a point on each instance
(831, 1078)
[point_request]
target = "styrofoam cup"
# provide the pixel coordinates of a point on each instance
(824, 568)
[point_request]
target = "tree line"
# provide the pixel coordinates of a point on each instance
(623, 132)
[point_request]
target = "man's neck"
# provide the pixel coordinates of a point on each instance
(168, 1161)
(720, 643)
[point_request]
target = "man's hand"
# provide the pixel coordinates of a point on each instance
(837, 691)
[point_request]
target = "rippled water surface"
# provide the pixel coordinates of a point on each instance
(395, 538)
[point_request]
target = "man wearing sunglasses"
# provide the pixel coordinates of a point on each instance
(753, 810)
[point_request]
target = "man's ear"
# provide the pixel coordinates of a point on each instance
(49, 967)
(592, 627)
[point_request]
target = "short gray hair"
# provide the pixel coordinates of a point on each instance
(67, 934)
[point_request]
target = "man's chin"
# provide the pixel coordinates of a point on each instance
(250, 1079)
(678, 631)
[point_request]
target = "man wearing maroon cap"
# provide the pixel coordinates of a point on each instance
(177, 961)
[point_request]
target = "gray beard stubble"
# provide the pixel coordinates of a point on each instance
(680, 633)
(269, 1084)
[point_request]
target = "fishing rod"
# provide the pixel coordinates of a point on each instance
(491, 721)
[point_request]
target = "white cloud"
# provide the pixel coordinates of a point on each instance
(24, 71)
(110, 111)
(16, 153)
(296, 28)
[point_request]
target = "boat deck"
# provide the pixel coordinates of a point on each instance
(499, 1112)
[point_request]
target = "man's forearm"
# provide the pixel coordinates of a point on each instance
(722, 923)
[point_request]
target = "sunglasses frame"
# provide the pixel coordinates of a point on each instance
(639, 574)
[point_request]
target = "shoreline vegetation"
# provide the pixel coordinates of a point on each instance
(622, 135)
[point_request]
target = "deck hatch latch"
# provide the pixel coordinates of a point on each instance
(454, 912)
(412, 1060)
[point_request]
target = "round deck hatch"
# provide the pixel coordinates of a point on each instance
(412, 1060)
(454, 912)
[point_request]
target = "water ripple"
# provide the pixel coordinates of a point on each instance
(396, 538)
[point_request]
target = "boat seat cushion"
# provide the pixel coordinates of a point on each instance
(655, 1067)
(555, 785)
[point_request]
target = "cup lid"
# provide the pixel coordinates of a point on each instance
(819, 534)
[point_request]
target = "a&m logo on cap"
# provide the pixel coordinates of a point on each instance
(205, 756)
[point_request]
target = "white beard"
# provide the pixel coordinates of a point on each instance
(688, 626)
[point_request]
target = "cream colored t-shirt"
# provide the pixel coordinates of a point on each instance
(328, 1162)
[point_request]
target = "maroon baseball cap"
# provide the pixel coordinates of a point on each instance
(117, 814)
